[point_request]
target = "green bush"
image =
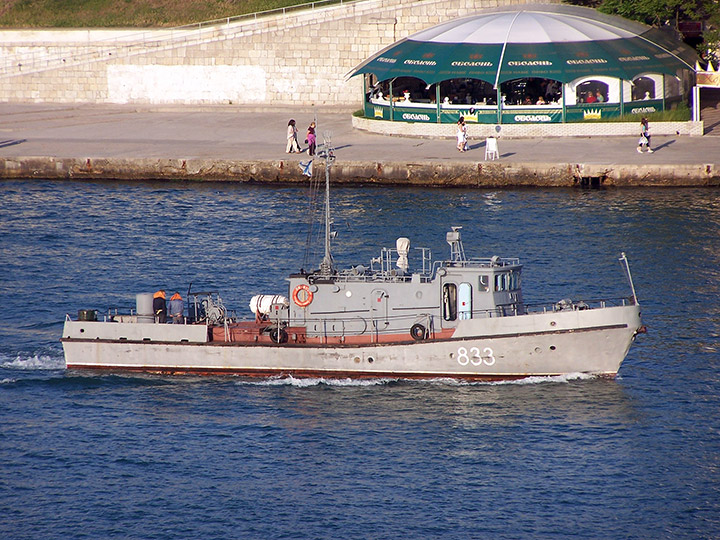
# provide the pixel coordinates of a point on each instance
(681, 113)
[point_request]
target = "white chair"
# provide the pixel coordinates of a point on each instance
(491, 148)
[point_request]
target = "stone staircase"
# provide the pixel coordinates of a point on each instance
(710, 111)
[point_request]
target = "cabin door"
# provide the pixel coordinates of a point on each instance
(465, 301)
(379, 309)
(449, 305)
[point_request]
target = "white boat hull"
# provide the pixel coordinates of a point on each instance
(592, 341)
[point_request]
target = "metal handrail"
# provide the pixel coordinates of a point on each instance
(577, 305)
(134, 44)
(502, 310)
(334, 327)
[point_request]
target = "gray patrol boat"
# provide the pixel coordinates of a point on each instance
(401, 316)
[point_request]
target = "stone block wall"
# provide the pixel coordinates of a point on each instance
(297, 58)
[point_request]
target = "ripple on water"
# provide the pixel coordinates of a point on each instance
(224, 457)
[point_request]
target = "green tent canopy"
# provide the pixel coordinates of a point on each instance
(548, 41)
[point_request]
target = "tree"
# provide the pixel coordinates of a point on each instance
(670, 13)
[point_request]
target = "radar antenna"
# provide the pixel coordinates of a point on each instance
(457, 252)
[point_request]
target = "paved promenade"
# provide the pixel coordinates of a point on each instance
(33, 134)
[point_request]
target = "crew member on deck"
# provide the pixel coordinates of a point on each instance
(176, 307)
(159, 306)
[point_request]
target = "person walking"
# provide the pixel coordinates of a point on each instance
(644, 137)
(292, 142)
(461, 135)
(311, 139)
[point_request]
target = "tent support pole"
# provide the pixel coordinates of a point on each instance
(392, 101)
(366, 97)
(564, 107)
(437, 101)
(622, 98)
(500, 63)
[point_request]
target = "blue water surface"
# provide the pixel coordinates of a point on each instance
(86, 455)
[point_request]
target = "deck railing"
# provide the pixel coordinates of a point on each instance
(376, 326)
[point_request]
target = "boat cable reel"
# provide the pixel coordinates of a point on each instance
(418, 332)
(278, 335)
(421, 329)
(214, 309)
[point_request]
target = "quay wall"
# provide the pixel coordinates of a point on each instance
(426, 173)
(299, 57)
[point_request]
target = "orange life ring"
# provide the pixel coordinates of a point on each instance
(308, 295)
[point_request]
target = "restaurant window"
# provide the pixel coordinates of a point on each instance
(411, 89)
(467, 92)
(592, 92)
(531, 91)
(643, 88)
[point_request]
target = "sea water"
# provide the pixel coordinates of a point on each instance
(92, 455)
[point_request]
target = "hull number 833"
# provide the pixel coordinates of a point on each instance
(475, 357)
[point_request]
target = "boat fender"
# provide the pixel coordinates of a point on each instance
(302, 295)
(418, 332)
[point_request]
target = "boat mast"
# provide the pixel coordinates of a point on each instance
(325, 151)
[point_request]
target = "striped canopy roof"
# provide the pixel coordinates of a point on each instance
(549, 41)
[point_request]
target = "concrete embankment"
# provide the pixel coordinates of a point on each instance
(428, 173)
(242, 145)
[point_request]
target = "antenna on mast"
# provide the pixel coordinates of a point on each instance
(327, 152)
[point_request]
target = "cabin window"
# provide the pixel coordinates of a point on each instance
(507, 281)
(450, 302)
(514, 281)
(484, 283)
